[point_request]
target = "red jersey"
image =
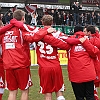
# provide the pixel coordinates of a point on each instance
(50, 72)
(80, 61)
(46, 49)
(16, 52)
(2, 73)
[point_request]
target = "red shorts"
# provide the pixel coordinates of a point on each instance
(51, 79)
(18, 78)
(97, 84)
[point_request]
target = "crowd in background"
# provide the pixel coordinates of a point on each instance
(70, 18)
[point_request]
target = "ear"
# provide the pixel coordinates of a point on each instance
(23, 19)
(89, 33)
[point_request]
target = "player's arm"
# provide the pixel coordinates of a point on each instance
(69, 40)
(5, 28)
(30, 34)
(35, 35)
(56, 42)
(72, 41)
(97, 43)
(91, 49)
(1, 36)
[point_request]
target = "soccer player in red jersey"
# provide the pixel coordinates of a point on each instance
(16, 57)
(50, 72)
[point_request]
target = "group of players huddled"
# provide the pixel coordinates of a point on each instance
(83, 59)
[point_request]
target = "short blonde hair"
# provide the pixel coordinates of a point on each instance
(18, 14)
(47, 20)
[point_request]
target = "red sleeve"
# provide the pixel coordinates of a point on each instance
(69, 40)
(56, 42)
(97, 43)
(91, 49)
(97, 34)
(1, 36)
(34, 36)
(5, 28)
(72, 41)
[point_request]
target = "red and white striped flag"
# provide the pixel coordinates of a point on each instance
(13, 8)
(31, 8)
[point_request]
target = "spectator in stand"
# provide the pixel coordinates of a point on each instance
(88, 18)
(98, 6)
(2, 17)
(93, 18)
(28, 18)
(59, 20)
(34, 18)
(8, 17)
(82, 19)
(54, 14)
(98, 19)
(76, 7)
(71, 19)
(39, 18)
(67, 19)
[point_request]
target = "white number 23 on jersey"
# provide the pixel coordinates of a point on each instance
(49, 48)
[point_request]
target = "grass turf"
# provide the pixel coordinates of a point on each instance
(34, 90)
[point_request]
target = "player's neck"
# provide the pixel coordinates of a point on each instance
(47, 26)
